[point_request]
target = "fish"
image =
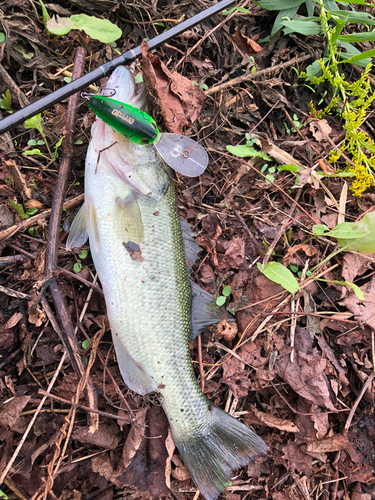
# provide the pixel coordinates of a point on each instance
(140, 248)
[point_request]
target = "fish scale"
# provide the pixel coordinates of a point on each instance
(130, 199)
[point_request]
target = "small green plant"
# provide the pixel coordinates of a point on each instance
(3, 496)
(350, 236)
(226, 12)
(247, 150)
(38, 152)
(21, 212)
(220, 301)
(350, 101)
(6, 102)
(202, 86)
(78, 265)
(85, 345)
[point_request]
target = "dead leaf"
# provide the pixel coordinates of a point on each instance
(179, 99)
(306, 375)
(227, 330)
(364, 311)
(335, 443)
(34, 204)
(10, 412)
(234, 257)
(246, 44)
(12, 321)
(144, 455)
(320, 129)
(280, 156)
(271, 420)
(308, 250)
(297, 459)
(107, 436)
(102, 465)
(355, 265)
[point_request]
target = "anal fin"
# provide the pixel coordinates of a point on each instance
(133, 373)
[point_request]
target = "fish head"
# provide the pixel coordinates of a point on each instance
(136, 165)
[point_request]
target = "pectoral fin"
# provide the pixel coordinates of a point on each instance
(79, 230)
(131, 219)
(191, 247)
(204, 310)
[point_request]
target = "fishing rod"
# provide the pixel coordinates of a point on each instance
(106, 68)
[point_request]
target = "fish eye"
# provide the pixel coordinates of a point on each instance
(144, 141)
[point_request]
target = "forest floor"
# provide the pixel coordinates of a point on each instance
(298, 367)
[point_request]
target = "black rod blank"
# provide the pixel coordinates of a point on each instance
(106, 68)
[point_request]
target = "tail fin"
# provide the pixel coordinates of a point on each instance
(226, 445)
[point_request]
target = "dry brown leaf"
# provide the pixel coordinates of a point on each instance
(246, 44)
(306, 375)
(34, 204)
(364, 311)
(102, 465)
(272, 421)
(179, 99)
(319, 129)
(309, 251)
(227, 330)
(144, 459)
(12, 321)
(107, 436)
(355, 265)
(10, 412)
(335, 443)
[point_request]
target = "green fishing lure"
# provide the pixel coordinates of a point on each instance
(181, 153)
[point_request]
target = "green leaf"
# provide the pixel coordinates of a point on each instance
(18, 208)
(34, 152)
(363, 239)
(358, 37)
(355, 289)
(85, 344)
(314, 69)
(61, 25)
(276, 4)
(220, 301)
(31, 211)
(351, 16)
(78, 143)
(2, 39)
(302, 26)
(226, 291)
(67, 79)
(242, 151)
(35, 122)
(6, 101)
(77, 267)
(278, 273)
(98, 29)
(289, 13)
(337, 174)
(359, 57)
(290, 168)
(46, 17)
(347, 230)
(319, 229)
(3, 496)
(293, 268)
(83, 254)
(360, 2)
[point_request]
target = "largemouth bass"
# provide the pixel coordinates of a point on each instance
(130, 216)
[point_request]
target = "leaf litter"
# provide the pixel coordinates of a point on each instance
(294, 364)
